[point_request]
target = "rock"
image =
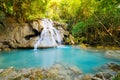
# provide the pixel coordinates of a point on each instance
(36, 25)
(63, 77)
(16, 36)
(96, 78)
(83, 46)
(118, 51)
(1, 44)
(7, 71)
(87, 77)
(114, 66)
(102, 76)
(115, 54)
(6, 49)
(58, 69)
(65, 72)
(62, 32)
(9, 74)
(12, 75)
(104, 68)
(26, 72)
(0, 49)
(75, 70)
(56, 72)
(62, 25)
(78, 77)
(69, 39)
(57, 66)
(72, 39)
(1, 70)
(24, 35)
(66, 36)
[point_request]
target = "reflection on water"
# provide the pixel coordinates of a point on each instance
(49, 57)
(52, 57)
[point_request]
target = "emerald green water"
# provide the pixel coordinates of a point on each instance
(86, 60)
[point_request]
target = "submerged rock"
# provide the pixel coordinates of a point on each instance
(25, 35)
(115, 54)
(56, 72)
(65, 72)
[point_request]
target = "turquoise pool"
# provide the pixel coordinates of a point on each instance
(86, 60)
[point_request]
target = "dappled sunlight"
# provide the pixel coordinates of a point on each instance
(60, 39)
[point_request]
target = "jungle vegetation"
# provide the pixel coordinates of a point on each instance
(94, 22)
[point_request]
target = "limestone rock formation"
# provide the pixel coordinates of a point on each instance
(115, 54)
(24, 35)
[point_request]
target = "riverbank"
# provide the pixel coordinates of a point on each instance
(87, 46)
(109, 51)
(59, 72)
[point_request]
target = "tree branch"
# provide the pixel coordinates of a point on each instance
(110, 34)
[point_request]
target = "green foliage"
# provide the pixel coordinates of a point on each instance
(36, 9)
(98, 29)
(80, 15)
(108, 12)
(78, 29)
(6, 6)
(117, 77)
(23, 10)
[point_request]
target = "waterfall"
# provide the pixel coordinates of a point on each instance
(49, 37)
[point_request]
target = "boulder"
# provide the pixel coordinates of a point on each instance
(15, 36)
(1, 70)
(114, 54)
(75, 70)
(60, 24)
(65, 72)
(86, 77)
(114, 66)
(36, 25)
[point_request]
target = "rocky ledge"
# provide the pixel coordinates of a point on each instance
(114, 54)
(24, 35)
(56, 72)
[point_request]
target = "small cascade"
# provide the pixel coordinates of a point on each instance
(49, 37)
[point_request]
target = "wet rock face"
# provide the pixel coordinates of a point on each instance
(17, 36)
(50, 36)
(23, 35)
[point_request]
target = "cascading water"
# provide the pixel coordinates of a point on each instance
(49, 37)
